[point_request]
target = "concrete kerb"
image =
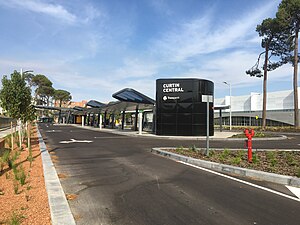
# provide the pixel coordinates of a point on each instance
(231, 170)
(135, 134)
(59, 207)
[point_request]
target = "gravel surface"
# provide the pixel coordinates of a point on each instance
(30, 204)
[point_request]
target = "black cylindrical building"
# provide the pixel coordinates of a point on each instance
(181, 107)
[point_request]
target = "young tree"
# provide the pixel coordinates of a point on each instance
(272, 37)
(15, 96)
(289, 16)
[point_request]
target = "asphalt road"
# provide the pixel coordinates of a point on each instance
(118, 181)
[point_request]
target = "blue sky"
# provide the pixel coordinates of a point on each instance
(94, 48)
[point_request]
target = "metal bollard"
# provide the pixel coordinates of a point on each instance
(249, 134)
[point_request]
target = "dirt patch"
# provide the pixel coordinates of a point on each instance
(23, 195)
(61, 175)
(279, 162)
(71, 197)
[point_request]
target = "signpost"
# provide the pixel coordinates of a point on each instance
(207, 99)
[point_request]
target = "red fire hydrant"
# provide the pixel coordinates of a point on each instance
(249, 134)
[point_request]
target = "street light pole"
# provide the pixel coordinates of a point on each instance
(27, 71)
(230, 122)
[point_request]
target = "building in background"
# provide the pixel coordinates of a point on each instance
(78, 104)
(247, 109)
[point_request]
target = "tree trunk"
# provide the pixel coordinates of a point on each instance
(28, 136)
(59, 115)
(264, 111)
(296, 110)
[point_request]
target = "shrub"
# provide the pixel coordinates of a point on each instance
(20, 175)
(236, 160)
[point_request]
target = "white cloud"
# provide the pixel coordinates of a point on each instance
(54, 10)
(202, 36)
(58, 11)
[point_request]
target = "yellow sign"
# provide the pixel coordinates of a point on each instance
(256, 117)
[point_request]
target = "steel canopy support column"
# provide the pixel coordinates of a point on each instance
(82, 120)
(113, 120)
(140, 122)
(88, 120)
(220, 119)
(136, 118)
(93, 120)
(105, 114)
(99, 119)
(123, 119)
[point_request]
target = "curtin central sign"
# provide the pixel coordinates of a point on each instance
(180, 108)
(172, 87)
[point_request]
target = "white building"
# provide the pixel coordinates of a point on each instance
(247, 109)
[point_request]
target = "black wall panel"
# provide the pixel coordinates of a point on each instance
(179, 107)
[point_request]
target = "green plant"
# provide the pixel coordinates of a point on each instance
(255, 158)
(8, 159)
(16, 188)
(1, 164)
(259, 134)
(211, 153)
(28, 188)
(180, 150)
(193, 148)
(15, 219)
(270, 155)
(8, 140)
(274, 162)
(236, 160)
(20, 175)
(224, 154)
(298, 172)
(5, 156)
(16, 155)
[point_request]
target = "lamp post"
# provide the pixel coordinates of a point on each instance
(229, 103)
(27, 71)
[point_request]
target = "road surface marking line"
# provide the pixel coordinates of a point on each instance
(294, 190)
(242, 181)
(75, 141)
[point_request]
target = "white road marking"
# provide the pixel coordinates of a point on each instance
(53, 131)
(294, 190)
(109, 137)
(242, 181)
(75, 141)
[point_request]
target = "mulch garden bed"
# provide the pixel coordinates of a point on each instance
(279, 162)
